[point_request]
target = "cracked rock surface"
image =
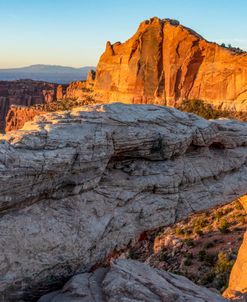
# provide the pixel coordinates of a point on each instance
(129, 280)
(77, 186)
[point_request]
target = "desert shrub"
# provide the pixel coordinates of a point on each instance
(187, 262)
(189, 242)
(200, 108)
(241, 219)
(209, 245)
(207, 278)
(239, 206)
(188, 232)
(163, 257)
(132, 254)
(201, 222)
(222, 270)
(224, 263)
(224, 226)
(219, 214)
(179, 231)
(201, 255)
(198, 230)
(228, 210)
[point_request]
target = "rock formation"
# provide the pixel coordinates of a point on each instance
(237, 288)
(25, 93)
(77, 186)
(129, 280)
(166, 63)
(18, 115)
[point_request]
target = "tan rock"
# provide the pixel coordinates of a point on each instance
(79, 185)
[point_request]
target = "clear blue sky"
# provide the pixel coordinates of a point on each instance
(74, 32)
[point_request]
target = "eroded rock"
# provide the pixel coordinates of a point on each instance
(129, 280)
(166, 63)
(76, 186)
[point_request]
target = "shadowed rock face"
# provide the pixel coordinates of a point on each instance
(77, 186)
(128, 280)
(165, 63)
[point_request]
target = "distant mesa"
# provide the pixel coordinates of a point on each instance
(48, 73)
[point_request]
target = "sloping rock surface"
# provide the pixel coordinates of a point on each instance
(129, 280)
(166, 63)
(77, 186)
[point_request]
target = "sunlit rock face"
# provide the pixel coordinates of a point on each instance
(238, 279)
(18, 115)
(77, 186)
(165, 63)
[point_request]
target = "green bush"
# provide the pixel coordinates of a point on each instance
(179, 231)
(198, 231)
(189, 242)
(209, 245)
(239, 206)
(200, 108)
(223, 264)
(222, 271)
(224, 226)
(207, 278)
(219, 214)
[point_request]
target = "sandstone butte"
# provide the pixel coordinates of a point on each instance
(77, 187)
(165, 63)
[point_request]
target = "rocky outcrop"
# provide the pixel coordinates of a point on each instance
(129, 280)
(18, 115)
(237, 288)
(25, 93)
(77, 91)
(81, 90)
(77, 186)
(166, 63)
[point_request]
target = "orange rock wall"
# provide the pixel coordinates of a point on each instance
(165, 63)
(238, 279)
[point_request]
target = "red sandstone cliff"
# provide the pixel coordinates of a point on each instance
(165, 63)
(18, 115)
(26, 93)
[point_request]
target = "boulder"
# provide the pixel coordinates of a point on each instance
(78, 186)
(129, 280)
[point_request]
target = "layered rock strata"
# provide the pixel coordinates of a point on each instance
(129, 280)
(77, 186)
(25, 93)
(166, 63)
(18, 115)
